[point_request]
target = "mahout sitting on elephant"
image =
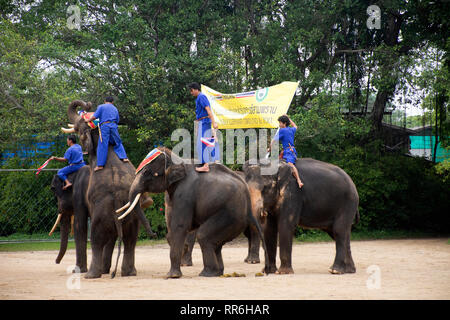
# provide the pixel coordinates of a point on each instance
(215, 204)
(328, 201)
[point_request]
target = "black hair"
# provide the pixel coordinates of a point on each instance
(285, 120)
(72, 138)
(109, 99)
(194, 85)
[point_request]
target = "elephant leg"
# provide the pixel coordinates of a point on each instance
(253, 245)
(108, 250)
(219, 258)
(271, 237)
(186, 258)
(130, 234)
(342, 239)
(211, 235)
(176, 237)
(80, 227)
(349, 264)
(102, 229)
(286, 230)
(97, 244)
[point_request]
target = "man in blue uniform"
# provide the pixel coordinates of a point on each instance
(286, 137)
(108, 120)
(74, 156)
(205, 119)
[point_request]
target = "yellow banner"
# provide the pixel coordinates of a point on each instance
(252, 109)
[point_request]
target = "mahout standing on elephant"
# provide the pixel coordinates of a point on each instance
(216, 205)
(328, 201)
(108, 118)
(107, 189)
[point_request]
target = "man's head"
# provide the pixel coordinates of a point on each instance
(194, 88)
(284, 121)
(109, 100)
(71, 140)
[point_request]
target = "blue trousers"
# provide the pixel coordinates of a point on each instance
(206, 154)
(110, 135)
(64, 172)
(290, 156)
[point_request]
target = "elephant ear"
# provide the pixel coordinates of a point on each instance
(174, 174)
(56, 186)
(284, 175)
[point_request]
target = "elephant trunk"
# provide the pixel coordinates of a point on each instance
(136, 191)
(65, 228)
(72, 110)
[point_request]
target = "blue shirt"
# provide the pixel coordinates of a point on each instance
(200, 103)
(286, 136)
(74, 154)
(107, 112)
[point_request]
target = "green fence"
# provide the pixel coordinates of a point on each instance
(424, 146)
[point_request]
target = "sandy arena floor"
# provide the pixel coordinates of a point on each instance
(386, 269)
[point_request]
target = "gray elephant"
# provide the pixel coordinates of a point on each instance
(107, 189)
(71, 202)
(253, 242)
(215, 204)
(327, 201)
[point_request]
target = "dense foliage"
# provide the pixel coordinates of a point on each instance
(145, 53)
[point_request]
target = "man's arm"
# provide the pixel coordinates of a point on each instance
(215, 125)
(292, 123)
(276, 138)
(58, 159)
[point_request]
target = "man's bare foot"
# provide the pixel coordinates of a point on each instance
(205, 168)
(300, 184)
(67, 186)
(98, 168)
(125, 160)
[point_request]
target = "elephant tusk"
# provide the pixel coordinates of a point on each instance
(58, 219)
(132, 207)
(65, 130)
(70, 125)
(123, 208)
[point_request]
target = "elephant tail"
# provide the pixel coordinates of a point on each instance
(119, 245)
(357, 217)
(254, 222)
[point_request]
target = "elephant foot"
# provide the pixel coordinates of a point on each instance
(80, 270)
(210, 273)
(92, 275)
(350, 269)
(336, 270)
(285, 270)
(252, 259)
(174, 274)
(269, 269)
(130, 272)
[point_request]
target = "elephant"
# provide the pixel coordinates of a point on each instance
(253, 242)
(107, 189)
(216, 204)
(71, 202)
(67, 201)
(328, 201)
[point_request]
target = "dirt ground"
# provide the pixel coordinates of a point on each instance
(386, 269)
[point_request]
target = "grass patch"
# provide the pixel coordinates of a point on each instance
(52, 244)
(321, 236)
